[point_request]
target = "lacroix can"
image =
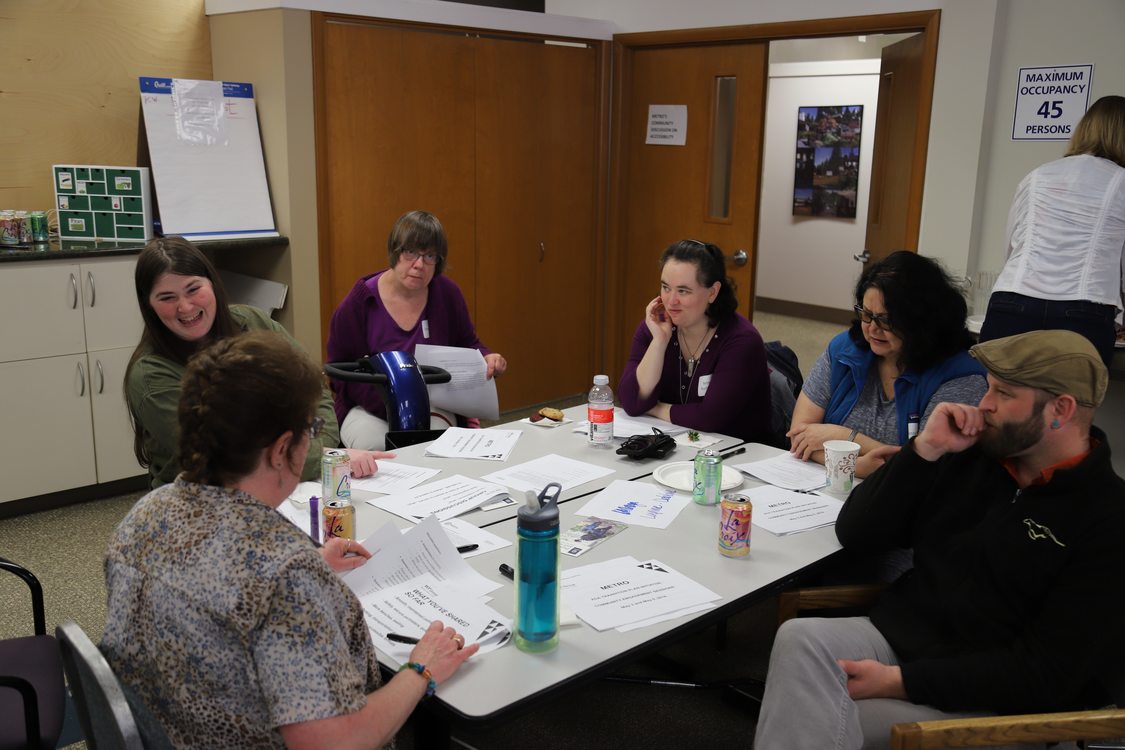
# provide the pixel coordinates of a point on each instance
(335, 475)
(707, 477)
(339, 519)
(734, 525)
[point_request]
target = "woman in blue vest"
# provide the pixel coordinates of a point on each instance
(906, 352)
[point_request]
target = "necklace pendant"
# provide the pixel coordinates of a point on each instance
(690, 366)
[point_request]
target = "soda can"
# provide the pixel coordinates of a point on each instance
(39, 230)
(339, 519)
(9, 229)
(734, 525)
(707, 477)
(24, 225)
(335, 474)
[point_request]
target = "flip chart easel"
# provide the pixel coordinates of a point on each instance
(206, 156)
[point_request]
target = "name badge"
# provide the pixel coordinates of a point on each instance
(704, 384)
(425, 329)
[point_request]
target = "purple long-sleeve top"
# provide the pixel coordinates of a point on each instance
(361, 325)
(729, 391)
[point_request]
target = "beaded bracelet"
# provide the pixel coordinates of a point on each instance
(421, 669)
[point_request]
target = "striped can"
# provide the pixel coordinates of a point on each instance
(335, 474)
(735, 512)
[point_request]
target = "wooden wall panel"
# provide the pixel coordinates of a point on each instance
(68, 82)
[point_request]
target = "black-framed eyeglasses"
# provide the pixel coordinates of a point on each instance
(866, 316)
(315, 427)
(430, 258)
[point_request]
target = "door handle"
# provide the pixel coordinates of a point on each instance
(101, 378)
(863, 257)
(90, 283)
(739, 258)
(81, 380)
(542, 251)
(74, 291)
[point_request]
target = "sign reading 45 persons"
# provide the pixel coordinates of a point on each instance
(1050, 101)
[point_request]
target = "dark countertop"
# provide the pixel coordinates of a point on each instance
(82, 249)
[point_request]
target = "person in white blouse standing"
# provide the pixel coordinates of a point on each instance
(1066, 231)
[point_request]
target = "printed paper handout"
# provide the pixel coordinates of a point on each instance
(536, 474)
(394, 477)
(445, 498)
(784, 512)
(622, 592)
(787, 471)
(469, 392)
(487, 445)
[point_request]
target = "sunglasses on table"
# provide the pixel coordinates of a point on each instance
(866, 316)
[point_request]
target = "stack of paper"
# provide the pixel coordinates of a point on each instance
(534, 475)
(784, 512)
(417, 577)
(486, 445)
(445, 498)
(625, 593)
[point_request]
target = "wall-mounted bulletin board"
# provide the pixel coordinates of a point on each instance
(105, 203)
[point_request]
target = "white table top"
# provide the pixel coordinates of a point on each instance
(535, 442)
(488, 686)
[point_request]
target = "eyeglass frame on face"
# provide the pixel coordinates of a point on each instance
(430, 258)
(315, 427)
(882, 320)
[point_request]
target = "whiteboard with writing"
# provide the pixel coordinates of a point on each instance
(206, 155)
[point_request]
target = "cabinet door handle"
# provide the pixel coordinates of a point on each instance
(82, 379)
(101, 378)
(542, 251)
(74, 291)
(90, 282)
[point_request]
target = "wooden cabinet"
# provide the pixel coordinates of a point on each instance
(69, 331)
(499, 138)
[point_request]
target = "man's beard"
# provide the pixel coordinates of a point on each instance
(1011, 438)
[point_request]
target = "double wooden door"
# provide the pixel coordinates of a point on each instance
(498, 137)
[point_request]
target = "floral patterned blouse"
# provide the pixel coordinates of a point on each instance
(227, 623)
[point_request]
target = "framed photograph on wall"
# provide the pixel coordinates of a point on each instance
(826, 171)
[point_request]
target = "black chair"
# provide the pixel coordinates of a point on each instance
(32, 697)
(112, 717)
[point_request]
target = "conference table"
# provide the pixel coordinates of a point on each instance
(506, 681)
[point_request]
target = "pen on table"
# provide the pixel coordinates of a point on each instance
(507, 572)
(397, 638)
(467, 548)
(734, 452)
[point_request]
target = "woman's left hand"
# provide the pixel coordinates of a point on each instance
(805, 440)
(497, 365)
(363, 462)
(343, 555)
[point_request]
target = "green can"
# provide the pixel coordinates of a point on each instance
(707, 477)
(39, 229)
(335, 475)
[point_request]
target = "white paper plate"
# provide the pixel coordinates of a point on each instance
(679, 475)
(547, 422)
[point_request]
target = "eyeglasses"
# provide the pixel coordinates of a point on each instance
(315, 427)
(866, 316)
(430, 258)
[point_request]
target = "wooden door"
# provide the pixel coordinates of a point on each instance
(395, 132)
(536, 213)
(898, 165)
(666, 190)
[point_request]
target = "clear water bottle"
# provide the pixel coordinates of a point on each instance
(537, 571)
(599, 410)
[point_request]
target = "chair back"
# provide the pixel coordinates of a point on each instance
(105, 715)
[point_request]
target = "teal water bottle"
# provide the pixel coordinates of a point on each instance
(537, 571)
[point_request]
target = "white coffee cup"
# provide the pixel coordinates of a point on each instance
(839, 464)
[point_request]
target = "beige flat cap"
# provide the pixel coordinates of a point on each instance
(1054, 361)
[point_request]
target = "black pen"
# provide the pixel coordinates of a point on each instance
(396, 638)
(507, 572)
(467, 548)
(735, 452)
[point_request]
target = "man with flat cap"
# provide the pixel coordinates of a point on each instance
(1015, 602)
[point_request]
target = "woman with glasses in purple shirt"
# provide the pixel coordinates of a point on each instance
(396, 309)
